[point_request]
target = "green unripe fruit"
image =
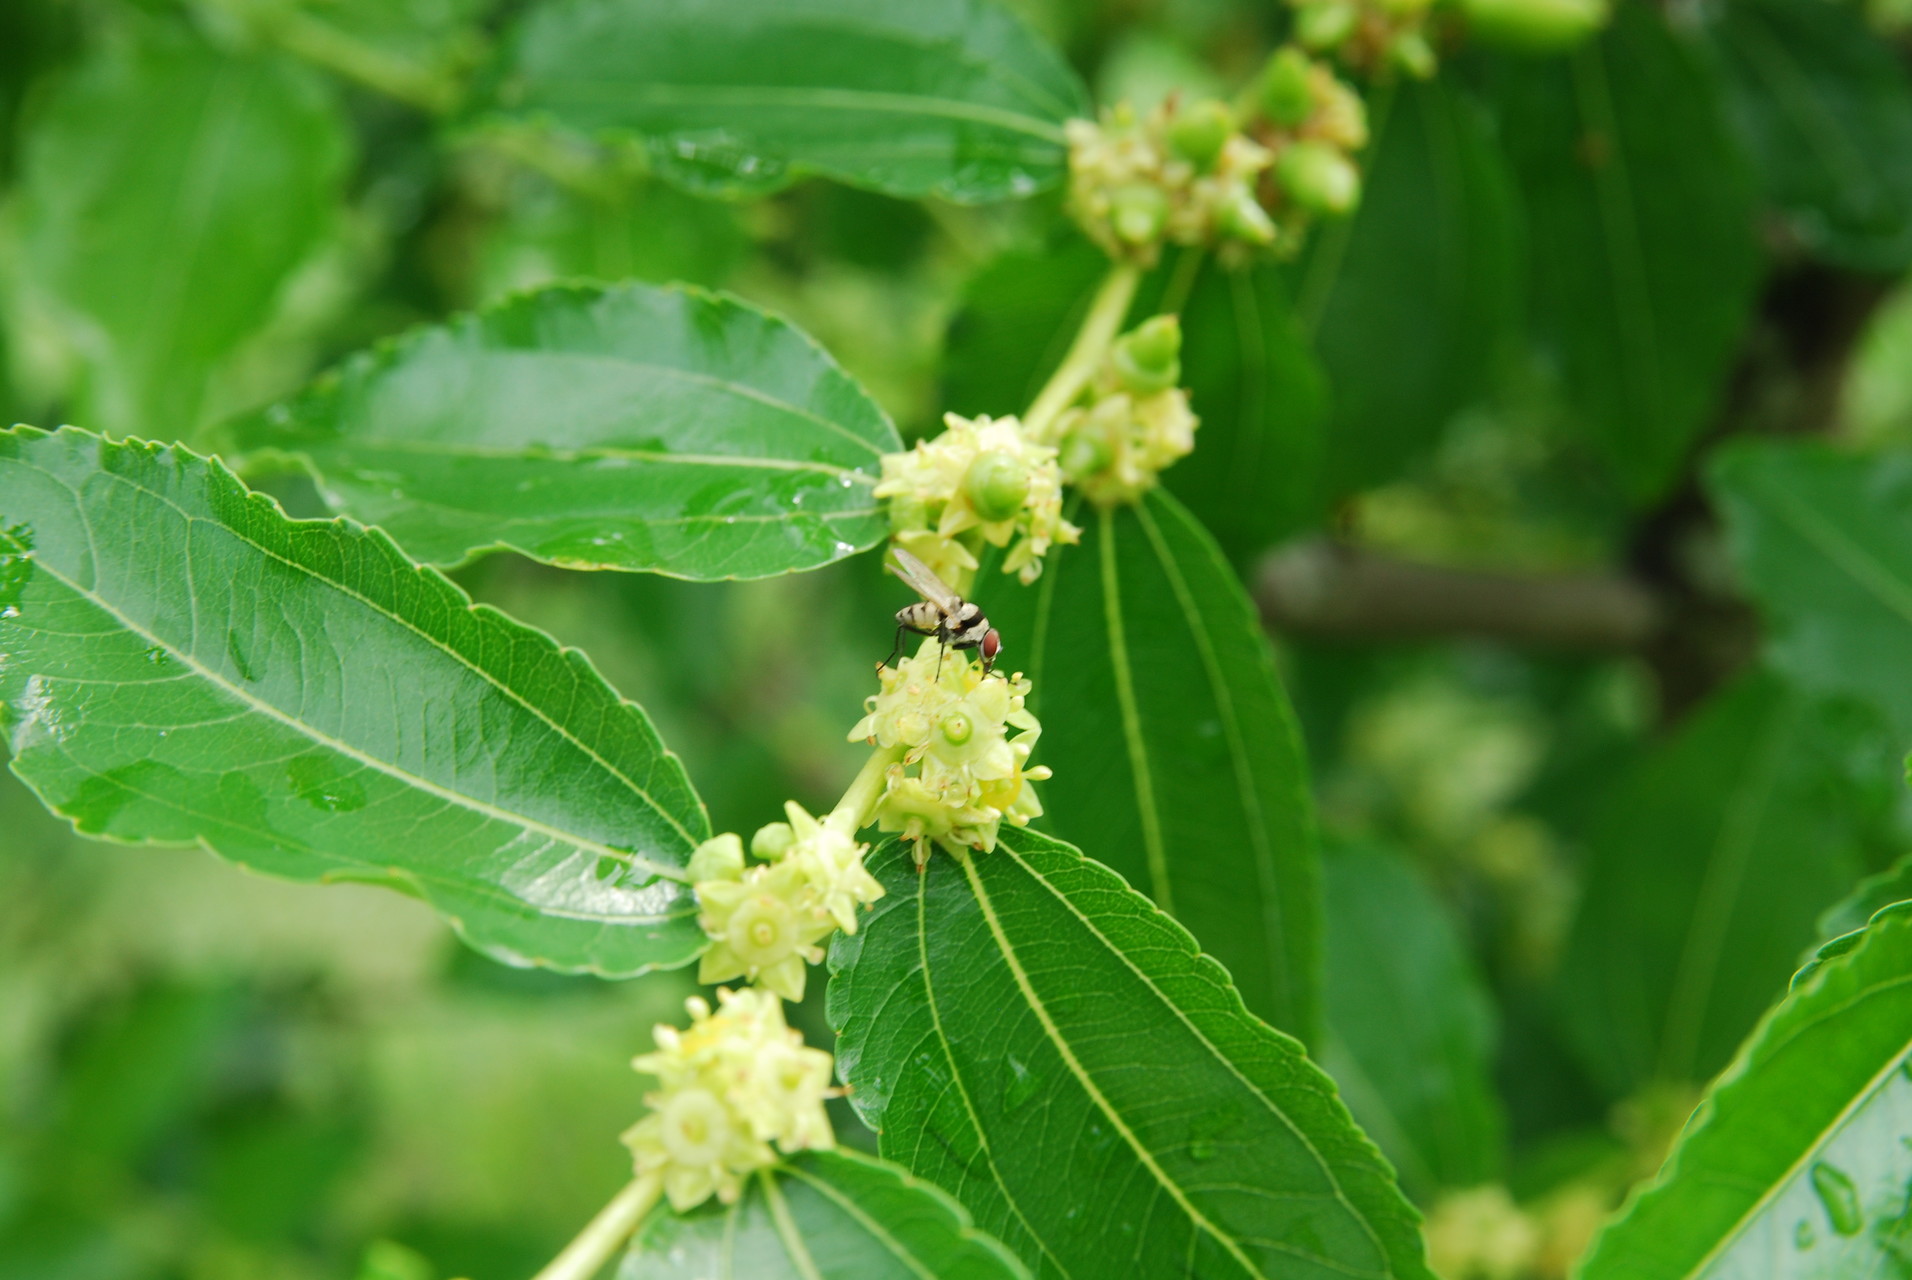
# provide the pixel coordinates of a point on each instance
(1534, 26)
(1287, 96)
(1085, 453)
(1326, 25)
(1148, 358)
(1138, 214)
(997, 484)
(1199, 133)
(1319, 178)
(1243, 218)
(772, 841)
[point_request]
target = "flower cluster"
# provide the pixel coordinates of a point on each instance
(1312, 124)
(1135, 422)
(766, 920)
(981, 480)
(733, 1083)
(1185, 175)
(1370, 36)
(960, 775)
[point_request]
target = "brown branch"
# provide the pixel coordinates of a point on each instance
(1322, 588)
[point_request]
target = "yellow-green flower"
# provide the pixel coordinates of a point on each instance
(961, 774)
(732, 1084)
(765, 926)
(981, 481)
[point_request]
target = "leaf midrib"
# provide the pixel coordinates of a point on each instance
(1274, 918)
(814, 98)
(1154, 847)
(855, 1211)
(465, 355)
(533, 452)
(962, 1090)
(632, 858)
(1181, 1016)
(320, 738)
(1778, 1184)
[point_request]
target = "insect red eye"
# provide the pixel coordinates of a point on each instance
(992, 644)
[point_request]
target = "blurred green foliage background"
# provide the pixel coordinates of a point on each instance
(208, 1075)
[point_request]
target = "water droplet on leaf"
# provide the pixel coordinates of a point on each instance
(1841, 1198)
(1019, 1085)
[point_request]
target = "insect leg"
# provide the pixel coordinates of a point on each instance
(897, 648)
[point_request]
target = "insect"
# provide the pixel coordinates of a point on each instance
(941, 613)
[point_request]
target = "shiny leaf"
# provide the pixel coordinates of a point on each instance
(1825, 108)
(184, 665)
(1410, 1025)
(825, 1215)
(1028, 1033)
(160, 248)
(1708, 866)
(1175, 751)
(952, 98)
(621, 427)
(1641, 212)
(1796, 1164)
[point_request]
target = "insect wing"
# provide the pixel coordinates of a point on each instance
(925, 583)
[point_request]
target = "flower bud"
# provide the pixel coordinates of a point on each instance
(772, 841)
(1286, 95)
(1199, 133)
(1138, 213)
(1148, 357)
(718, 858)
(1534, 26)
(1327, 24)
(1319, 178)
(997, 484)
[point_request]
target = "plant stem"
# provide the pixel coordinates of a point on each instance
(1091, 343)
(605, 1234)
(853, 811)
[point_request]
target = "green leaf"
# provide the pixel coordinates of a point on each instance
(825, 1215)
(1255, 475)
(951, 98)
(1823, 542)
(1410, 1025)
(1408, 301)
(1708, 866)
(1825, 108)
(1175, 750)
(161, 248)
(184, 665)
(1028, 1033)
(1641, 211)
(619, 427)
(1796, 1165)
(1869, 897)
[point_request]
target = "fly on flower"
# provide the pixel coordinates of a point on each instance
(943, 614)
